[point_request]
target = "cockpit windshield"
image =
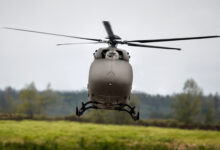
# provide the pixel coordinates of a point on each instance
(112, 54)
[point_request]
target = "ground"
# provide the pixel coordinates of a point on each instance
(73, 135)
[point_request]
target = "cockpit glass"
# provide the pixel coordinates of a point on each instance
(108, 54)
(112, 55)
(104, 53)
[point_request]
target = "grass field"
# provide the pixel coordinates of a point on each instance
(72, 135)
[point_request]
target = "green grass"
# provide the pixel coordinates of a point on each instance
(72, 135)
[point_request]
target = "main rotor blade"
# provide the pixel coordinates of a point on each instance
(108, 29)
(61, 44)
(69, 36)
(174, 39)
(151, 46)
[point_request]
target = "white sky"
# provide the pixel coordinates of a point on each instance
(27, 57)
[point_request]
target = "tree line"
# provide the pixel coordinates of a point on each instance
(189, 106)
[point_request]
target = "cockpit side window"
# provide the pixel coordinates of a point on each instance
(100, 53)
(120, 55)
(104, 53)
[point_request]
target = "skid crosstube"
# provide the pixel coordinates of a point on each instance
(120, 107)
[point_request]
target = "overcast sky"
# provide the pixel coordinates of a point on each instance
(27, 57)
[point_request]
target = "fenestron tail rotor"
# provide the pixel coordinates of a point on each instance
(113, 40)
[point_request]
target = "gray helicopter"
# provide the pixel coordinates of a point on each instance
(110, 74)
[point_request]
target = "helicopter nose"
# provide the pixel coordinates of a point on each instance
(110, 77)
(107, 77)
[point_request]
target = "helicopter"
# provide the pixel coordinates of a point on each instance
(110, 74)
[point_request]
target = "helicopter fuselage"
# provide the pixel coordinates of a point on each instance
(110, 77)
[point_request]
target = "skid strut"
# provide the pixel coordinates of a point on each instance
(120, 107)
(84, 108)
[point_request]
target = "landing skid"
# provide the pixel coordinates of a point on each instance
(120, 107)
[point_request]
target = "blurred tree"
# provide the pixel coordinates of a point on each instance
(45, 99)
(28, 96)
(34, 102)
(97, 116)
(209, 115)
(216, 103)
(187, 105)
(10, 95)
(7, 100)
